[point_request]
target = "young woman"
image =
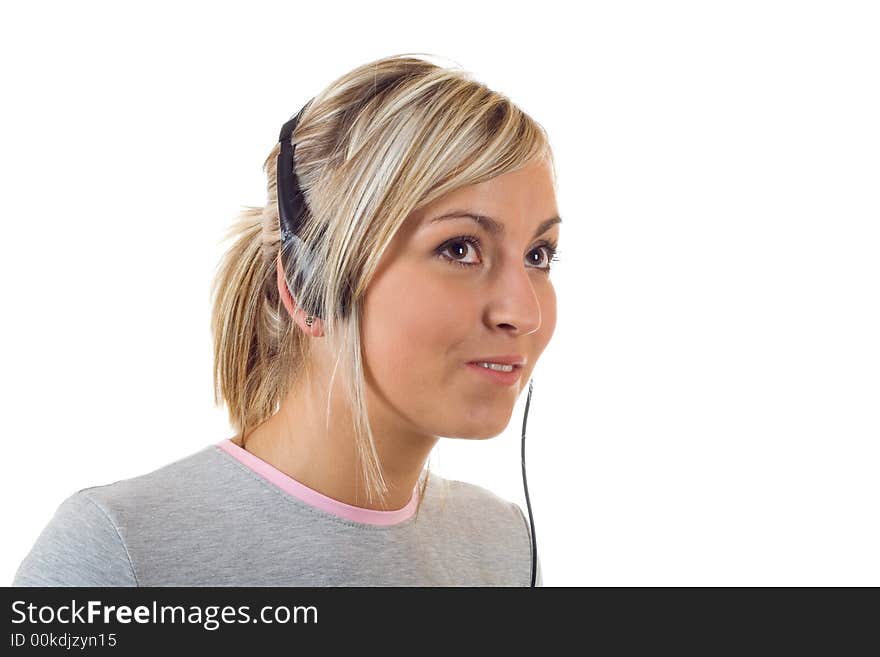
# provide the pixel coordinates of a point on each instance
(371, 309)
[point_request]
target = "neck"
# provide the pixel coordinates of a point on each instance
(298, 441)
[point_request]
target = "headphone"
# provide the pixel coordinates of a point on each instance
(291, 213)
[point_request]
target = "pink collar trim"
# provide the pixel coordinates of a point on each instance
(315, 499)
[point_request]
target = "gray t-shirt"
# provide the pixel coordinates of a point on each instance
(223, 517)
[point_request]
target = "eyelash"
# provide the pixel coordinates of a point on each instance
(549, 246)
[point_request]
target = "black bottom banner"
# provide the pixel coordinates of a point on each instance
(144, 620)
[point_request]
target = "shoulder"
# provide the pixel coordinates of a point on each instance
(465, 492)
(80, 546)
(84, 543)
(492, 523)
(185, 481)
(481, 508)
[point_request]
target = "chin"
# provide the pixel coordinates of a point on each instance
(484, 431)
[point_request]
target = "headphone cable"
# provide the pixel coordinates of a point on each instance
(526, 486)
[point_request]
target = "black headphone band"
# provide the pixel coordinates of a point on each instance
(290, 199)
(291, 215)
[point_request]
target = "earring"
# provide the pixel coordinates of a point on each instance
(310, 320)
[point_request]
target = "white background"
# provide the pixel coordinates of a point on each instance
(707, 411)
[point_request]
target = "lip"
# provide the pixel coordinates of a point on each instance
(506, 359)
(503, 378)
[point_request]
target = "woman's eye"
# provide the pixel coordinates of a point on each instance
(459, 250)
(541, 260)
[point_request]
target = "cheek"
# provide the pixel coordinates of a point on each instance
(410, 332)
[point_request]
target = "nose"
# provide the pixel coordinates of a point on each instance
(514, 303)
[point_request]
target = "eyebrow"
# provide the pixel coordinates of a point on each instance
(491, 225)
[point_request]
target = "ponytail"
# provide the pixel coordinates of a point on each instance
(256, 349)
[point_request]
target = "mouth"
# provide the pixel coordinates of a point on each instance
(497, 373)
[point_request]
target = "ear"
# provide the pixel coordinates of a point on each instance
(298, 315)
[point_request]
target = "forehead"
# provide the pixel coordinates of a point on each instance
(524, 196)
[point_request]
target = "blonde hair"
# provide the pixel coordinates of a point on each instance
(375, 145)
